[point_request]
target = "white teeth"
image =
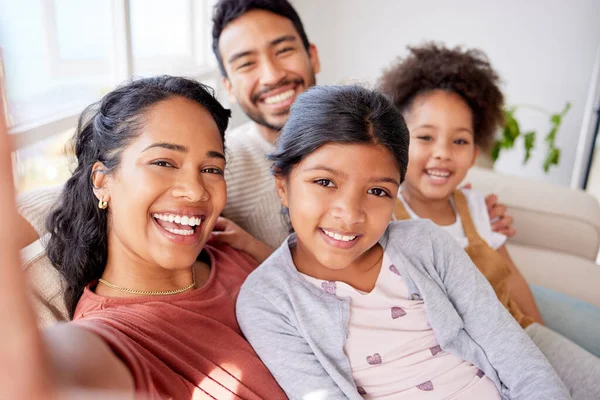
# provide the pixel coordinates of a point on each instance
(337, 236)
(437, 173)
(179, 219)
(182, 232)
(278, 98)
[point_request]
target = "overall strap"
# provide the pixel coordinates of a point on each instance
(400, 211)
(462, 208)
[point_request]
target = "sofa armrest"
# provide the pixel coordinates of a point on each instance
(565, 273)
(545, 215)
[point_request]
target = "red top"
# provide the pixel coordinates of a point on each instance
(188, 345)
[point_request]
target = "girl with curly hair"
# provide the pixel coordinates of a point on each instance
(453, 107)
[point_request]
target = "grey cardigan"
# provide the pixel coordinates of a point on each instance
(299, 330)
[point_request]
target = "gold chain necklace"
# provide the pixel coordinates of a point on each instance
(150, 293)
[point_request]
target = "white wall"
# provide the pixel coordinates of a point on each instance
(543, 49)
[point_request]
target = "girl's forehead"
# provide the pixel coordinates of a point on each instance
(350, 158)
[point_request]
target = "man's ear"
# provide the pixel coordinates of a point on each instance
(282, 189)
(227, 85)
(313, 56)
(99, 180)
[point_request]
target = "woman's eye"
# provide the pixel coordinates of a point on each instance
(162, 163)
(426, 138)
(216, 171)
(378, 192)
(324, 182)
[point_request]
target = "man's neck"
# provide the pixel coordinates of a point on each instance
(270, 135)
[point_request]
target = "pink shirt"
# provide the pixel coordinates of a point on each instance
(393, 351)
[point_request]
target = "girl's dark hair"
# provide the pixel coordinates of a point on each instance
(468, 73)
(226, 11)
(78, 244)
(340, 114)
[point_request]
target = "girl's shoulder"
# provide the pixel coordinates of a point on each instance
(274, 274)
(410, 231)
(418, 239)
(475, 200)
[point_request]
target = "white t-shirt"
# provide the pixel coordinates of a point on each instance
(480, 217)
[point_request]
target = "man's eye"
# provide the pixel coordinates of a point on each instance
(285, 50)
(245, 65)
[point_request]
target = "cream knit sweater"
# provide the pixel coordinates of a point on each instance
(252, 200)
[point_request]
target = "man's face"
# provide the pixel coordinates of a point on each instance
(267, 66)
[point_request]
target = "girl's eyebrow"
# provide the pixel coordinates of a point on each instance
(327, 169)
(385, 179)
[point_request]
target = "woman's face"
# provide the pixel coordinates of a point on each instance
(167, 192)
(340, 199)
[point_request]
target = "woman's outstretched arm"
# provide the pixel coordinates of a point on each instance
(66, 358)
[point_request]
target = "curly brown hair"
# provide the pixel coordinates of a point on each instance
(466, 72)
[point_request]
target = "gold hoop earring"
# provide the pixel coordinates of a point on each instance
(102, 204)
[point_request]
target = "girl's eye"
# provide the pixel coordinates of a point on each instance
(324, 182)
(461, 141)
(379, 192)
(425, 138)
(162, 163)
(216, 171)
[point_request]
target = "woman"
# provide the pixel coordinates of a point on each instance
(152, 303)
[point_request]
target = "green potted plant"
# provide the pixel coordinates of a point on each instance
(512, 131)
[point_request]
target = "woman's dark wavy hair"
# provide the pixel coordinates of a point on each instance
(78, 244)
(340, 114)
(225, 11)
(468, 73)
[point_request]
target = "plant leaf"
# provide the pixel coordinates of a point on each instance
(529, 139)
(511, 128)
(495, 153)
(552, 158)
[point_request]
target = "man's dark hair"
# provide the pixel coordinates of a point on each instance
(226, 11)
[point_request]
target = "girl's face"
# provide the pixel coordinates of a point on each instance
(340, 199)
(168, 191)
(442, 147)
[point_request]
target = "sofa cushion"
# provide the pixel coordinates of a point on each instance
(45, 284)
(545, 215)
(565, 273)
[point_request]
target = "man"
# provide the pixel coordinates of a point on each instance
(266, 61)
